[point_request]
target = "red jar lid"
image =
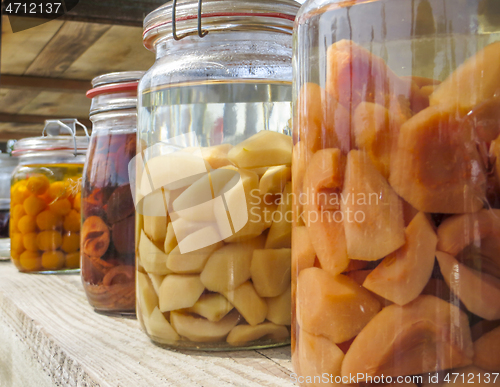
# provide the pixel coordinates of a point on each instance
(114, 91)
(113, 88)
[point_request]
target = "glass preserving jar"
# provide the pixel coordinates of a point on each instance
(108, 212)
(213, 176)
(45, 199)
(396, 258)
(7, 166)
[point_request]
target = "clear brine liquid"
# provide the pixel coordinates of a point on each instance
(218, 112)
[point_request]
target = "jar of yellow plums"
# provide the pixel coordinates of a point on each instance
(45, 199)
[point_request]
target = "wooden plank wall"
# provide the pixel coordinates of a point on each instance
(69, 50)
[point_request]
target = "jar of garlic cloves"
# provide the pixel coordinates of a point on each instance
(108, 213)
(396, 259)
(45, 199)
(213, 176)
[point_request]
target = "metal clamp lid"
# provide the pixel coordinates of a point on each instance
(53, 128)
(53, 140)
(217, 15)
(201, 33)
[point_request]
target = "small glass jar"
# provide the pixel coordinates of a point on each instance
(45, 199)
(7, 166)
(4, 216)
(108, 213)
(396, 274)
(213, 179)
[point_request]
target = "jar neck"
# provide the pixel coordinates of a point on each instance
(115, 121)
(51, 158)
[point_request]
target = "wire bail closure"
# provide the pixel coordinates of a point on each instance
(64, 125)
(201, 33)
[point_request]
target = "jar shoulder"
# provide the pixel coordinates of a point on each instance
(241, 58)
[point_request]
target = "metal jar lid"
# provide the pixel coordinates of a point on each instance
(114, 91)
(53, 138)
(201, 17)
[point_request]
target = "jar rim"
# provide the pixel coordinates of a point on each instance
(112, 88)
(117, 77)
(114, 91)
(56, 143)
(242, 15)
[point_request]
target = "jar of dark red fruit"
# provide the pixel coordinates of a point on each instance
(108, 216)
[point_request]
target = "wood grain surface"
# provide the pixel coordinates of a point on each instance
(119, 49)
(67, 45)
(48, 103)
(50, 334)
(12, 101)
(46, 70)
(17, 131)
(19, 50)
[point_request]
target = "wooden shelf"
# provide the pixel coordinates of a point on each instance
(50, 336)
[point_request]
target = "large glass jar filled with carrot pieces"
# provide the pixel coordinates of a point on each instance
(45, 199)
(108, 212)
(396, 167)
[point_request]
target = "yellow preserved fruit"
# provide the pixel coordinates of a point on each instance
(49, 240)
(15, 256)
(45, 217)
(30, 261)
(29, 241)
(47, 220)
(18, 212)
(53, 260)
(13, 227)
(38, 184)
(57, 190)
(16, 242)
(33, 205)
(73, 260)
(60, 207)
(72, 221)
(19, 192)
(71, 242)
(77, 202)
(26, 224)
